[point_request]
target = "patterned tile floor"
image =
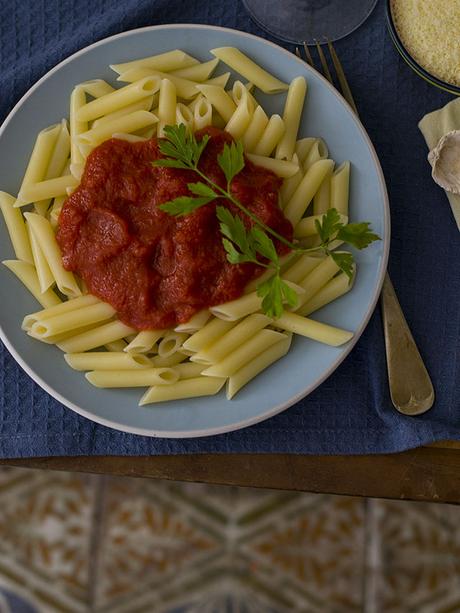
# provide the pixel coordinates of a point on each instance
(75, 543)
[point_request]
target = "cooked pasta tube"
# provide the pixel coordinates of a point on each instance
(202, 114)
(116, 346)
(44, 234)
(219, 99)
(119, 98)
(240, 62)
(43, 190)
(171, 343)
(317, 279)
(307, 226)
(184, 115)
(301, 268)
(289, 186)
(184, 88)
(318, 151)
(61, 308)
(130, 138)
(189, 370)
(239, 121)
(291, 116)
(127, 123)
(340, 187)
(285, 261)
(245, 305)
(246, 352)
(145, 104)
(171, 60)
(132, 378)
(188, 388)
(208, 334)
(97, 337)
(241, 94)
(197, 72)
(39, 158)
(59, 338)
(166, 106)
(257, 365)
(336, 287)
(282, 168)
(220, 81)
(16, 228)
(144, 341)
(322, 198)
(57, 163)
(105, 360)
(232, 339)
(195, 323)
(27, 274)
(66, 322)
(258, 124)
(303, 146)
(77, 101)
(307, 188)
(168, 362)
(96, 88)
(270, 137)
(315, 330)
(45, 276)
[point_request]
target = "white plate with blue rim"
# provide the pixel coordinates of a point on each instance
(308, 363)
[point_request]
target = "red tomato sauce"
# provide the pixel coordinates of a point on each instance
(157, 270)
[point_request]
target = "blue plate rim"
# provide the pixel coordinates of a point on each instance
(178, 434)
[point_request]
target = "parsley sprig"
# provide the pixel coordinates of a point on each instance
(254, 244)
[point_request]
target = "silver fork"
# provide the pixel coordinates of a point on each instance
(410, 385)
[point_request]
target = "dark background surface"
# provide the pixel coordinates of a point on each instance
(351, 412)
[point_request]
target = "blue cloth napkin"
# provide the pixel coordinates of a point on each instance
(351, 412)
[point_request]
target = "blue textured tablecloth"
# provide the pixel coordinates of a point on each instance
(351, 412)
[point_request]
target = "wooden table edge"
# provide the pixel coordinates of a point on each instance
(424, 474)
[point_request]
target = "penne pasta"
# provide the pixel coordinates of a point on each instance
(96, 88)
(27, 274)
(171, 343)
(282, 168)
(145, 104)
(315, 330)
(303, 146)
(258, 124)
(189, 370)
(301, 268)
(126, 123)
(245, 374)
(66, 322)
(141, 377)
(166, 106)
(271, 136)
(202, 114)
(188, 388)
(44, 234)
(239, 121)
(208, 334)
(184, 115)
(104, 360)
(195, 323)
(318, 151)
(316, 279)
(246, 352)
(340, 187)
(197, 72)
(45, 276)
(322, 198)
(171, 60)
(219, 99)
(97, 337)
(336, 287)
(307, 226)
(119, 98)
(220, 81)
(77, 101)
(168, 362)
(39, 159)
(116, 345)
(184, 87)
(16, 228)
(50, 188)
(246, 67)
(73, 304)
(144, 341)
(291, 117)
(303, 195)
(57, 163)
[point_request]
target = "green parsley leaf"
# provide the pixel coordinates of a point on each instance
(178, 144)
(329, 225)
(231, 160)
(345, 262)
(232, 227)
(201, 189)
(289, 295)
(199, 148)
(234, 256)
(263, 244)
(184, 205)
(357, 234)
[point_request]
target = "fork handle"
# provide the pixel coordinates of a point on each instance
(410, 385)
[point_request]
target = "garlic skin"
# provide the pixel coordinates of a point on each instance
(445, 162)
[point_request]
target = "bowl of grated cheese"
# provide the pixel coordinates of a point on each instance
(427, 35)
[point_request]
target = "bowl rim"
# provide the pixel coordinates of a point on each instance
(411, 61)
(249, 421)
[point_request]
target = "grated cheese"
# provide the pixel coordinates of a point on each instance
(430, 31)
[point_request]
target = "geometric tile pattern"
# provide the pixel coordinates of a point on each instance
(77, 543)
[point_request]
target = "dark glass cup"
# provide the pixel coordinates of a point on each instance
(298, 21)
